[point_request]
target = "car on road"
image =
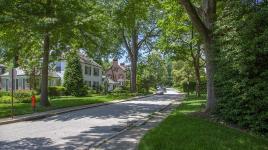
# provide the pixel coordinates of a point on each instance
(159, 91)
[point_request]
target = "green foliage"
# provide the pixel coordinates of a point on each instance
(23, 96)
(152, 71)
(56, 91)
(242, 70)
(188, 86)
(5, 99)
(4, 93)
(120, 91)
(73, 78)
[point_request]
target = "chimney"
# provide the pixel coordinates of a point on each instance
(122, 64)
(115, 62)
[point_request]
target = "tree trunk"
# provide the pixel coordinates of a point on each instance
(133, 75)
(44, 81)
(197, 76)
(210, 70)
(134, 50)
(203, 19)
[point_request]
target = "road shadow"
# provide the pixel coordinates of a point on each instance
(125, 110)
(28, 144)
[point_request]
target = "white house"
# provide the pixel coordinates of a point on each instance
(21, 81)
(92, 71)
(92, 75)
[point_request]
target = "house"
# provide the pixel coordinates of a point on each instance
(117, 74)
(92, 75)
(2, 71)
(22, 80)
(92, 71)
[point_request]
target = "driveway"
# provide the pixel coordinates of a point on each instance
(80, 129)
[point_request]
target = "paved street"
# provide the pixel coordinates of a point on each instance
(80, 129)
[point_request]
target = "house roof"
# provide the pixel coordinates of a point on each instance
(123, 68)
(110, 81)
(87, 60)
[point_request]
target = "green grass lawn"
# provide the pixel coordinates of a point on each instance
(60, 102)
(185, 132)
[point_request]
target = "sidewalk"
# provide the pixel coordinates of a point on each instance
(41, 115)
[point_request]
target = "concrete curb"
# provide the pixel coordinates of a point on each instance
(137, 124)
(43, 115)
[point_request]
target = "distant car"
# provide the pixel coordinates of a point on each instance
(159, 92)
(165, 90)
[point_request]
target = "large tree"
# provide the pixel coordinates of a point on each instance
(136, 22)
(55, 24)
(180, 40)
(203, 19)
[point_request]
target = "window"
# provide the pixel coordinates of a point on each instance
(95, 84)
(87, 70)
(23, 84)
(96, 71)
(89, 83)
(6, 85)
(17, 84)
(58, 68)
(121, 76)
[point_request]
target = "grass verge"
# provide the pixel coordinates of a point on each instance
(181, 131)
(60, 102)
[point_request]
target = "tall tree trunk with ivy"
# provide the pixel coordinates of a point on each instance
(203, 19)
(44, 80)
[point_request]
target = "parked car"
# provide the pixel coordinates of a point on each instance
(159, 91)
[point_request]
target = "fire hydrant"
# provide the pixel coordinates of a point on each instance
(33, 102)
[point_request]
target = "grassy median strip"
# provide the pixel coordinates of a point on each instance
(187, 132)
(60, 102)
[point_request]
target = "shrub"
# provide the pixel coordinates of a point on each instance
(4, 93)
(241, 71)
(23, 96)
(190, 87)
(56, 91)
(120, 90)
(5, 99)
(73, 78)
(83, 91)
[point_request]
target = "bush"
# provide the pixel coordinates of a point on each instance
(56, 91)
(73, 78)
(120, 90)
(190, 87)
(241, 71)
(4, 93)
(23, 96)
(5, 99)
(83, 91)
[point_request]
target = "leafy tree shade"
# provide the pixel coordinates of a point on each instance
(73, 78)
(242, 70)
(136, 23)
(179, 39)
(203, 19)
(152, 71)
(54, 25)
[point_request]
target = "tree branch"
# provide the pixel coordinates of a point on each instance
(127, 44)
(195, 18)
(148, 35)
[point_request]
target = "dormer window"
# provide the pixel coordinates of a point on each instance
(58, 67)
(96, 71)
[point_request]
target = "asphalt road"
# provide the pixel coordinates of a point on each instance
(80, 129)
